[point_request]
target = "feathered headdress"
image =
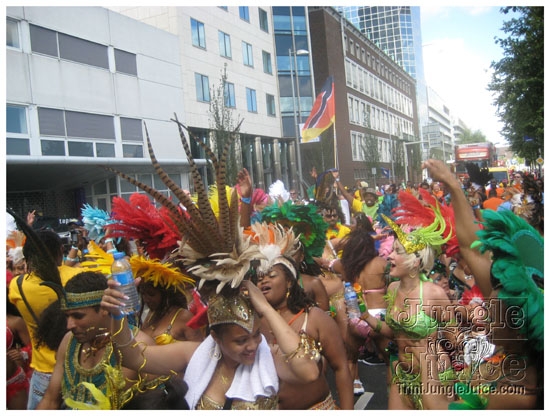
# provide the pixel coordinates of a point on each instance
(420, 213)
(140, 219)
(213, 248)
(478, 176)
(15, 239)
(277, 189)
(274, 242)
(166, 275)
(419, 238)
(99, 260)
(518, 264)
(95, 220)
(305, 221)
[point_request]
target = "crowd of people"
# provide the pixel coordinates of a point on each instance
(244, 302)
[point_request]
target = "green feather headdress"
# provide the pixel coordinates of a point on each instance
(305, 221)
(518, 264)
(429, 236)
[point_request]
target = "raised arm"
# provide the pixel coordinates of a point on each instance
(464, 224)
(346, 194)
(245, 185)
(136, 355)
(303, 368)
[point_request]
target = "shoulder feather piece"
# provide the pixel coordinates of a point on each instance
(518, 264)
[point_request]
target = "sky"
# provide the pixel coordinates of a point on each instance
(458, 47)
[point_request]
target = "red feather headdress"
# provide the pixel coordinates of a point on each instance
(139, 219)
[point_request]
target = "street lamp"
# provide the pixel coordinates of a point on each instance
(405, 144)
(300, 52)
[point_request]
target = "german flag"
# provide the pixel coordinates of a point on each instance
(322, 113)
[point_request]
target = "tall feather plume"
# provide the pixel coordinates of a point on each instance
(234, 216)
(224, 220)
(202, 195)
(182, 196)
(412, 212)
(43, 264)
(209, 153)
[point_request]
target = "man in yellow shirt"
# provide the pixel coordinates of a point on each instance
(39, 298)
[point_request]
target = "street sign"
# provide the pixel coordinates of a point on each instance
(374, 171)
(540, 160)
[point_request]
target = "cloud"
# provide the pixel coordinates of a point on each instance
(478, 11)
(461, 77)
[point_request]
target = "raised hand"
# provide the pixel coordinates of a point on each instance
(245, 183)
(256, 296)
(30, 217)
(113, 299)
(438, 171)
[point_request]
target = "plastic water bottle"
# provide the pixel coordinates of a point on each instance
(352, 303)
(121, 271)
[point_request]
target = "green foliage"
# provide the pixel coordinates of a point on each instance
(223, 125)
(518, 81)
(470, 136)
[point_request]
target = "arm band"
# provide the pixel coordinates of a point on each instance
(246, 200)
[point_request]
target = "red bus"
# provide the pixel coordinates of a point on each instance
(482, 154)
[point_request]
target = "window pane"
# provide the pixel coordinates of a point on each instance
(16, 119)
(12, 33)
(159, 185)
(197, 32)
(146, 179)
(112, 182)
(83, 51)
(52, 148)
(247, 54)
(283, 43)
(102, 203)
(229, 94)
(89, 125)
(251, 100)
(205, 88)
(43, 40)
(270, 104)
(81, 149)
(104, 150)
(126, 186)
(263, 20)
(17, 147)
(125, 62)
(51, 122)
(266, 56)
(299, 23)
(225, 44)
(131, 129)
(243, 12)
(132, 150)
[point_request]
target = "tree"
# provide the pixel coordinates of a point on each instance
(470, 136)
(518, 81)
(369, 149)
(223, 124)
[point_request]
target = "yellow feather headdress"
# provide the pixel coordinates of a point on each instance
(100, 260)
(166, 275)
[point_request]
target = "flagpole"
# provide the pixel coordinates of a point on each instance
(335, 145)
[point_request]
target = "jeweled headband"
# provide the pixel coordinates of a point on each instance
(236, 310)
(81, 300)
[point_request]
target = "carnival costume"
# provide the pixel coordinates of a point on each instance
(420, 325)
(518, 272)
(216, 252)
(95, 220)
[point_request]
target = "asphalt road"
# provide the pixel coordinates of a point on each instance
(375, 384)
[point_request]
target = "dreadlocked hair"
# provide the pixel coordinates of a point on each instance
(332, 204)
(297, 298)
(358, 252)
(51, 240)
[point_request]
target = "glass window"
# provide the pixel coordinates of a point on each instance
(302, 64)
(100, 188)
(146, 179)
(266, 58)
(131, 129)
(12, 33)
(81, 149)
(263, 20)
(43, 40)
(94, 126)
(197, 34)
(229, 94)
(52, 147)
(247, 54)
(223, 7)
(132, 150)
(17, 146)
(105, 150)
(301, 42)
(299, 23)
(51, 122)
(281, 24)
(203, 90)
(270, 104)
(225, 44)
(251, 100)
(125, 62)
(243, 13)
(16, 119)
(283, 43)
(83, 51)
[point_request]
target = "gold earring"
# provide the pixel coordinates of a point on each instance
(287, 292)
(215, 353)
